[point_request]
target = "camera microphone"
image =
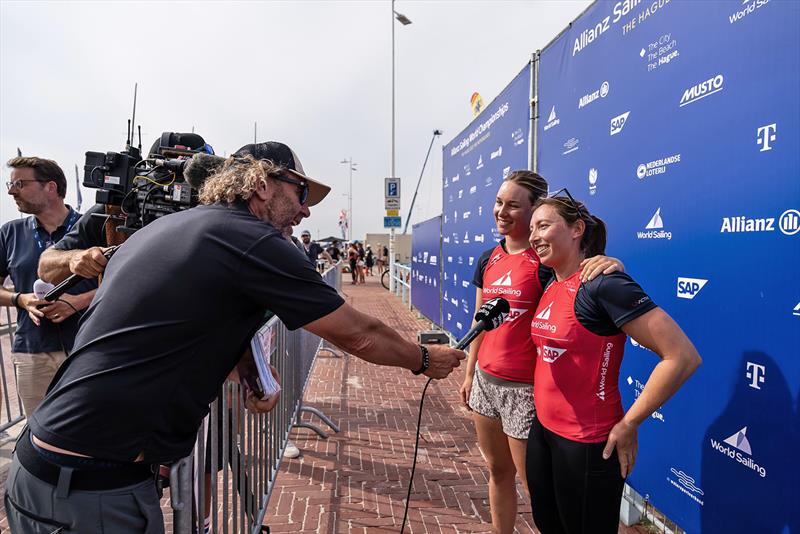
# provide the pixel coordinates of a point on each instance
(200, 167)
(490, 315)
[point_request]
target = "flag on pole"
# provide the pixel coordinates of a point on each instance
(78, 189)
(343, 223)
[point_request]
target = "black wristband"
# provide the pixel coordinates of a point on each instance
(15, 300)
(426, 360)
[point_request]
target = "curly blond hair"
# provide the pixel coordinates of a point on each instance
(237, 179)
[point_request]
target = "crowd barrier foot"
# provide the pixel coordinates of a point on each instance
(325, 419)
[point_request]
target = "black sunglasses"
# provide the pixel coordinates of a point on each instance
(302, 187)
(563, 196)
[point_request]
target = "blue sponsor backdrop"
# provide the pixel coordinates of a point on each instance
(678, 123)
(474, 163)
(426, 266)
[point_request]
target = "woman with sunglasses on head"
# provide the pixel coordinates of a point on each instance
(582, 445)
(498, 384)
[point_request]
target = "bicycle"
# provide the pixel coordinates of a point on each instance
(385, 279)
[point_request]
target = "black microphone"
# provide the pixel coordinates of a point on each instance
(200, 167)
(490, 315)
(73, 280)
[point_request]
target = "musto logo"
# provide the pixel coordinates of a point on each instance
(737, 447)
(688, 288)
(657, 166)
(702, 90)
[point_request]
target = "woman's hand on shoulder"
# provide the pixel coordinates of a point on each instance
(593, 267)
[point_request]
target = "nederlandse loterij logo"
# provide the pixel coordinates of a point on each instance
(592, 181)
(702, 90)
(657, 166)
(688, 288)
(788, 224)
(552, 120)
(737, 447)
(618, 122)
(551, 354)
(767, 134)
(654, 228)
(545, 313)
(504, 280)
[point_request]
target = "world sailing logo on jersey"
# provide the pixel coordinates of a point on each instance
(504, 280)
(545, 313)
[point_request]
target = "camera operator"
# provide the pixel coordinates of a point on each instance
(45, 330)
(179, 304)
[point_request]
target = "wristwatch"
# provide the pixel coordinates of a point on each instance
(426, 360)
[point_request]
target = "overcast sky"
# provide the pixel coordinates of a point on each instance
(315, 75)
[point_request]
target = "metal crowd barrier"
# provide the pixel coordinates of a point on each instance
(11, 411)
(402, 282)
(230, 475)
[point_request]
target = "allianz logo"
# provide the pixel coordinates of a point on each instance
(702, 90)
(752, 5)
(588, 98)
(655, 228)
(788, 223)
(737, 447)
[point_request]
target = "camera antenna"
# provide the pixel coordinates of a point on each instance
(133, 115)
(140, 137)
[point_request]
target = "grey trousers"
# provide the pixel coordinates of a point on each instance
(34, 507)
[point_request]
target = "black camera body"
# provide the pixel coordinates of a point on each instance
(145, 189)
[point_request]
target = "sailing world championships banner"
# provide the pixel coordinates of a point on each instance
(678, 123)
(426, 268)
(474, 163)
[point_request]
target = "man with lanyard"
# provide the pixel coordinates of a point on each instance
(313, 249)
(161, 323)
(45, 330)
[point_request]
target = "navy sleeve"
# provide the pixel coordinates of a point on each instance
(477, 278)
(279, 277)
(608, 302)
(3, 253)
(546, 275)
(88, 232)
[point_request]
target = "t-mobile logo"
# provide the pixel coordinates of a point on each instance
(766, 134)
(755, 373)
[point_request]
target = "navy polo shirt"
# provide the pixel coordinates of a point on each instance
(22, 241)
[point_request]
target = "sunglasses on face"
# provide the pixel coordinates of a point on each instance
(302, 187)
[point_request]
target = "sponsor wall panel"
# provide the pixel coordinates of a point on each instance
(426, 268)
(678, 123)
(474, 163)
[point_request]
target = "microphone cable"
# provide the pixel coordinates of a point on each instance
(416, 450)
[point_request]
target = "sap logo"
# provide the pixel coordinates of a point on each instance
(456, 178)
(688, 288)
(766, 134)
(550, 354)
(514, 313)
(552, 120)
(506, 171)
(497, 153)
(458, 325)
(702, 90)
(592, 181)
(473, 189)
(737, 447)
(618, 122)
(479, 238)
(464, 283)
(466, 214)
(755, 373)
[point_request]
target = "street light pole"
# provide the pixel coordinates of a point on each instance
(352, 167)
(405, 21)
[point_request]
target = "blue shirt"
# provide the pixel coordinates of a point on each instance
(22, 241)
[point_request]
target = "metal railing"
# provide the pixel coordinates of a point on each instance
(401, 274)
(230, 475)
(11, 411)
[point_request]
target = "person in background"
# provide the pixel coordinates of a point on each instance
(334, 251)
(352, 260)
(498, 385)
(312, 249)
(362, 265)
(379, 259)
(369, 260)
(582, 444)
(45, 330)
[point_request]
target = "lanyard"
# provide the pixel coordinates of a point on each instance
(71, 220)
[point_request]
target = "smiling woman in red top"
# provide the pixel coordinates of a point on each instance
(498, 384)
(579, 329)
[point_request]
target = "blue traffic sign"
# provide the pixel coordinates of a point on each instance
(391, 222)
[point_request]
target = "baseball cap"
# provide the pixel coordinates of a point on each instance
(283, 156)
(305, 232)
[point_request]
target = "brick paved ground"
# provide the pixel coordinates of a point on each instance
(356, 481)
